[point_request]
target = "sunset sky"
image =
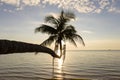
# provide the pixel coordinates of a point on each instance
(97, 21)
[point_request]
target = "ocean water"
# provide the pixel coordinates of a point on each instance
(91, 65)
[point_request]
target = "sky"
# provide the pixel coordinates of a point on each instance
(97, 21)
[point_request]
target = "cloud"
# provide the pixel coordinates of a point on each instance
(82, 6)
(11, 2)
(97, 11)
(7, 10)
(87, 31)
(104, 3)
(31, 2)
(115, 7)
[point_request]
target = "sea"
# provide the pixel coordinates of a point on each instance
(78, 65)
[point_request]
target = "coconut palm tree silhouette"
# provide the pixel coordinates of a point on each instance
(60, 31)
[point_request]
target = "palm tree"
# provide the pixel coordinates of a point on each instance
(10, 47)
(59, 31)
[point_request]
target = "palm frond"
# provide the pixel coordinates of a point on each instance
(66, 16)
(62, 18)
(71, 40)
(73, 37)
(69, 29)
(78, 37)
(46, 29)
(51, 19)
(49, 40)
(70, 15)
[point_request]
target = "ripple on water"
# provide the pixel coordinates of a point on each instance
(32, 68)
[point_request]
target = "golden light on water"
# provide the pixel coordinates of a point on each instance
(59, 67)
(59, 61)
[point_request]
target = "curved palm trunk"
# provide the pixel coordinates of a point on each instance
(7, 47)
(60, 49)
(58, 46)
(64, 52)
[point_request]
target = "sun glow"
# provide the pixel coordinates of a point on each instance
(59, 66)
(60, 61)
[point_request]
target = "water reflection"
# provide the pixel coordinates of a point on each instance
(60, 63)
(58, 66)
(58, 72)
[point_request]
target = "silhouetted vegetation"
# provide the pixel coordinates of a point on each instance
(9, 47)
(60, 31)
